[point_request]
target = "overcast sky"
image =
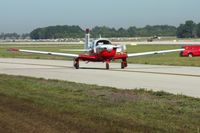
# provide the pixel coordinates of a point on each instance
(22, 16)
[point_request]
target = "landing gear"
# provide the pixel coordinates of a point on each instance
(76, 63)
(107, 66)
(190, 55)
(123, 63)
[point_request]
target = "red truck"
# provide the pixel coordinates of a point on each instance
(190, 51)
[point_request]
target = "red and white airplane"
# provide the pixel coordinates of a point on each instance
(100, 50)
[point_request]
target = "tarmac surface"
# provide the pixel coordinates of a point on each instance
(173, 79)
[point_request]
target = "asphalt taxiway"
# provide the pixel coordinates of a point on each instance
(173, 79)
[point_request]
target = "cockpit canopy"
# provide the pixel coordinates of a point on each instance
(102, 42)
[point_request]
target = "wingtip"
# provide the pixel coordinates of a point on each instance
(13, 49)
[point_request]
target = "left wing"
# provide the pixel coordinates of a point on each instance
(154, 52)
(45, 53)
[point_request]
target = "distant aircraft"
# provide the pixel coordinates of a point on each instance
(100, 50)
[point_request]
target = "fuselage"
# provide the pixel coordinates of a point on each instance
(105, 54)
(101, 55)
(102, 50)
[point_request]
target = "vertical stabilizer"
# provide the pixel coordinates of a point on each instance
(87, 39)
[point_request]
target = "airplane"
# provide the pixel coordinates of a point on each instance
(99, 50)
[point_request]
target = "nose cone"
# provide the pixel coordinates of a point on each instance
(107, 54)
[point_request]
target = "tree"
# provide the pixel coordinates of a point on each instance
(25, 36)
(54, 32)
(198, 30)
(9, 36)
(132, 31)
(104, 31)
(186, 30)
(180, 31)
(122, 32)
(35, 34)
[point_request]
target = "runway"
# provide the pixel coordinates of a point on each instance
(173, 79)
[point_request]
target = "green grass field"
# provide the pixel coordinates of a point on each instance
(167, 59)
(163, 59)
(38, 105)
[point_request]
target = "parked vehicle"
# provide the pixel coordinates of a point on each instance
(190, 51)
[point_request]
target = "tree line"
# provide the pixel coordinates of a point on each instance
(187, 30)
(54, 32)
(4, 36)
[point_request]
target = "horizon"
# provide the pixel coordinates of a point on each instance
(93, 27)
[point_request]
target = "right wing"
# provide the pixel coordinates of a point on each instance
(46, 53)
(76, 50)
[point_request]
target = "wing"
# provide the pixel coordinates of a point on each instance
(76, 50)
(46, 53)
(154, 52)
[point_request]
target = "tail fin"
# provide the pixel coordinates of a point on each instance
(87, 39)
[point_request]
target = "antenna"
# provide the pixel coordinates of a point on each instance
(87, 39)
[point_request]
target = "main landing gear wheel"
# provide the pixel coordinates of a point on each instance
(76, 64)
(190, 55)
(122, 65)
(107, 66)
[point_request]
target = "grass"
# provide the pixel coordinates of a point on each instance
(38, 105)
(167, 59)
(163, 59)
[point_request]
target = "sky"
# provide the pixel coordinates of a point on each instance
(22, 16)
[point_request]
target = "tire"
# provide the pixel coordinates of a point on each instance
(190, 55)
(76, 65)
(107, 66)
(181, 54)
(122, 65)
